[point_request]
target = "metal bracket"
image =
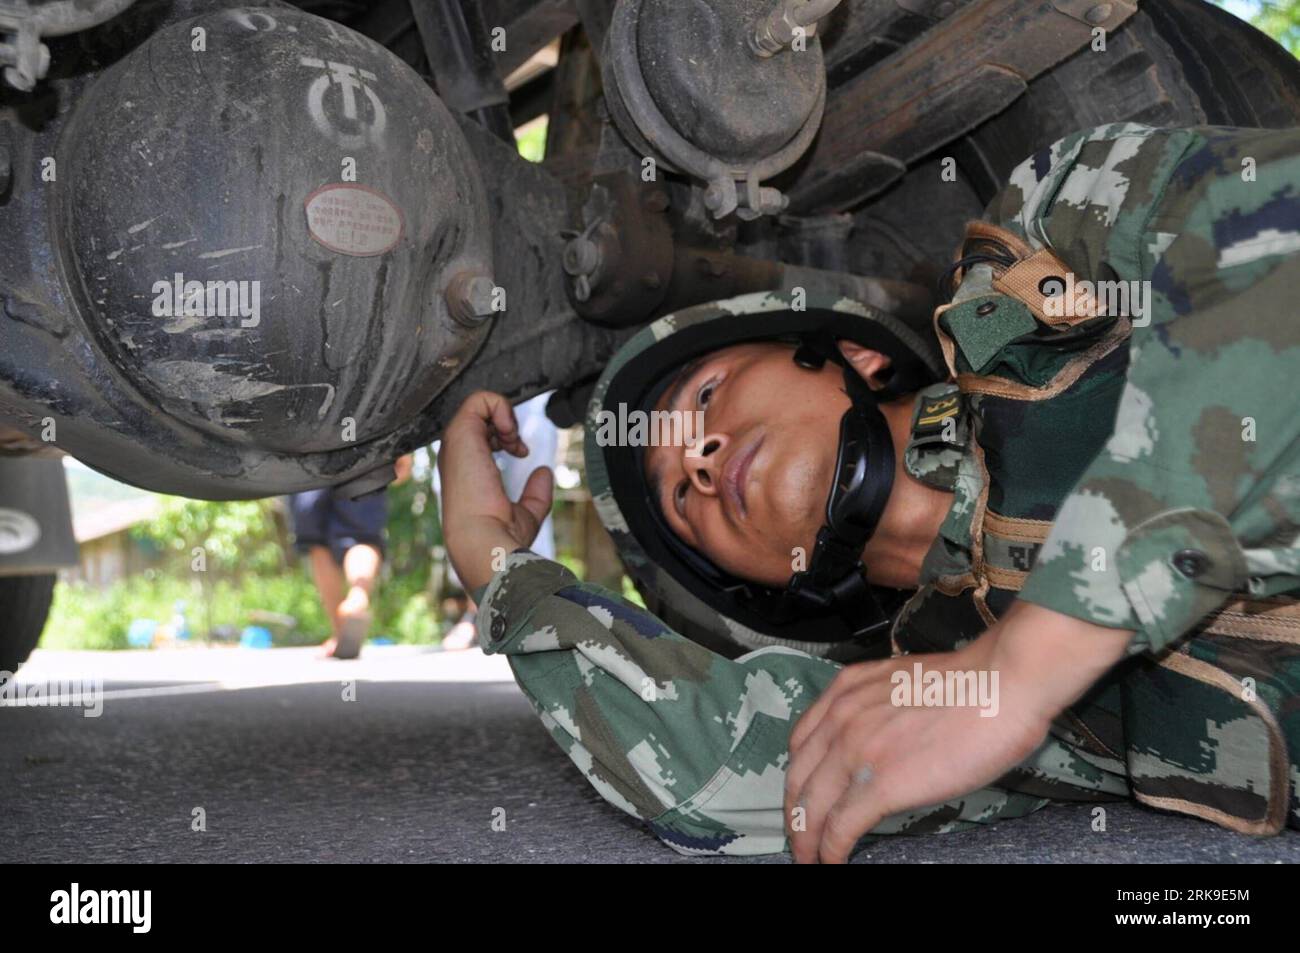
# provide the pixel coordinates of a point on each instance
(24, 57)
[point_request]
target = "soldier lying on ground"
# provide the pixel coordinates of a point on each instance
(1096, 504)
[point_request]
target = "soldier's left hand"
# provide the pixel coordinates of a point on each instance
(856, 757)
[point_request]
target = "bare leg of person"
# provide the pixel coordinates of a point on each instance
(329, 583)
(361, 568)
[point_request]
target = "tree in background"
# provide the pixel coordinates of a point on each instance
(233, 556)
(228, 538)
(406, 606)
(1279, 19)
(229, 562)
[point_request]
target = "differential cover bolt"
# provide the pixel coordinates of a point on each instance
(469, 298)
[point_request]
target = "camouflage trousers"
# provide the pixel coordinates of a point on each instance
(693, 743)
(696, 744)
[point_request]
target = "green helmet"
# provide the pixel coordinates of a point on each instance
(683, 587)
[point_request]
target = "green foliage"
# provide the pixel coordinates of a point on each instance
(290, 591)
(407, 616)
(413, 526)
(234, 536)
(403, 608)
(248, 567)
(1281, 21)
(530, 140)
(630, 593)
(85, 617)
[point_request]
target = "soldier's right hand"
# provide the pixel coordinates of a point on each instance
(480, 522)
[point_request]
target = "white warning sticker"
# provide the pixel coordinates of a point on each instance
(353, 219)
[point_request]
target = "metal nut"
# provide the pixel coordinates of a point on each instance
(772, 201)
(469, 298)
(581, 257)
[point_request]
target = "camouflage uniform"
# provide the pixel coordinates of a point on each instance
(1137, 470)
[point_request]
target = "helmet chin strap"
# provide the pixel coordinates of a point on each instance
(836, 577)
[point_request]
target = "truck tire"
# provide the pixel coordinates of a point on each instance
(1175, 62)
(24, 607)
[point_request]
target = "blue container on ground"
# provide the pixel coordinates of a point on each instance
(255, 637)
(140, 633)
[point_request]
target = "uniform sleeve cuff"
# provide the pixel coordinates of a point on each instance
(1177, 568)
(513, 594)
(1159, 578)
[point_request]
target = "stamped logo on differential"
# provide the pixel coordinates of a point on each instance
(353, 220)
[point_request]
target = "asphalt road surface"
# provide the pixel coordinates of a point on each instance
(437, 758)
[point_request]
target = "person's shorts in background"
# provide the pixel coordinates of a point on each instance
(321, 520)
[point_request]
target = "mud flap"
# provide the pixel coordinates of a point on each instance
(35, 517)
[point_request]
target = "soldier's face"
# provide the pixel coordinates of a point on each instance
(753, 485)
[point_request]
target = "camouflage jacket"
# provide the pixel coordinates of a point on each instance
(1195, 497)
(1108, 459)
(1170, 509)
